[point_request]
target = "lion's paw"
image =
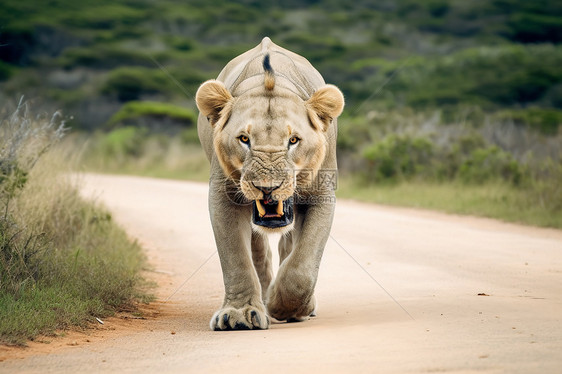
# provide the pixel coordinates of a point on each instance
(246, 318)
(290, 309)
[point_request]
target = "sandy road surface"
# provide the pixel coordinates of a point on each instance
(434, 265)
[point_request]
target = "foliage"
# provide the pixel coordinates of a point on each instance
(124, 141)
(437, 91)
(5, 71)
(130, 83)
(492, 77)
(63, 261)
(139, 151)
(546, 120)
(403, 157)
(400, 150)
(132, 110)
(102, 57)
(500, 54)
(398, 157)
(485, 164)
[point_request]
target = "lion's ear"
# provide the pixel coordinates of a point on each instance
(212, 98)
(325, 104)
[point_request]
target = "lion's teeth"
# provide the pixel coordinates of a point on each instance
(280, 208)
(260, 207)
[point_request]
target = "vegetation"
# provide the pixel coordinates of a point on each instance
(500, 55)
(131, 150)
(493, 199)
(399, 151)
(439, 92)
(135, 111)
(63, 261)
(451, 105)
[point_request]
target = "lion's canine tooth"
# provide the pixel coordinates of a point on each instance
(260, 207)
(280, 208)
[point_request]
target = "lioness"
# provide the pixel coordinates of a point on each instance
(268, 127)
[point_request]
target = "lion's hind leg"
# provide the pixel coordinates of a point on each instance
(285, 246)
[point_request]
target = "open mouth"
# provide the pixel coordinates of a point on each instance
(272, 213)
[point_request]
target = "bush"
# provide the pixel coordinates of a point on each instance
(535, 28)
(130, 83)
(493, 77)
(486, 164)
(190, 136)
(5, 71)
(546, 120)
(102, 57)
(545, 185)
(138, 151)
(468, 159)
(398, 157)
(132, 111)
(123, 142)
(62, 261)
(105, 16)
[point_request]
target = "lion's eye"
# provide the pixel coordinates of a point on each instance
(244, 139)
(293, 140)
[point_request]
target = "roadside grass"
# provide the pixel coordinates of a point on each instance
(63, 261)
(496, 200)
(532, 202)
(133, 151)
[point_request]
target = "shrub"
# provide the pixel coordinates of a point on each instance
(467, 158)
(5, 71)
(133, 110)
(546, 120)
(122, 142)
(486, 164)
(353, 133)
(131, 150)
(62, 260)
(190, 136)
(545, 185)
(102, 57)
(105, 16)
(488, 76)
(130, 83)
(535, 28)
(398, 157)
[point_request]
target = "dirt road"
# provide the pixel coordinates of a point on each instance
(482, 296)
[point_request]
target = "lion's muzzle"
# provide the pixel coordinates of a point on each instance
(272, 213)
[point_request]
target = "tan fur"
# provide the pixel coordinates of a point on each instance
(269, 81)
(290, 100)
(211, 98)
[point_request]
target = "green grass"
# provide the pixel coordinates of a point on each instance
(492, 199)
(134, 109)
(63, 260)
(130, 150)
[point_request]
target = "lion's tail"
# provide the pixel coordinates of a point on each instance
(269, 81)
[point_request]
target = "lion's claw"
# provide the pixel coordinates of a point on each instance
(246, 318)
(241, 326)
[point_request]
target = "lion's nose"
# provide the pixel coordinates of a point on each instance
(267, 190)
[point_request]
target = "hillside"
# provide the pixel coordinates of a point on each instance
(450, 105)
(90, 58)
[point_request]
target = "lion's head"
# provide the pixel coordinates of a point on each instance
(265, 138)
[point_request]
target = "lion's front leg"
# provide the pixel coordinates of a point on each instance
(291, 296)
(243, 308)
